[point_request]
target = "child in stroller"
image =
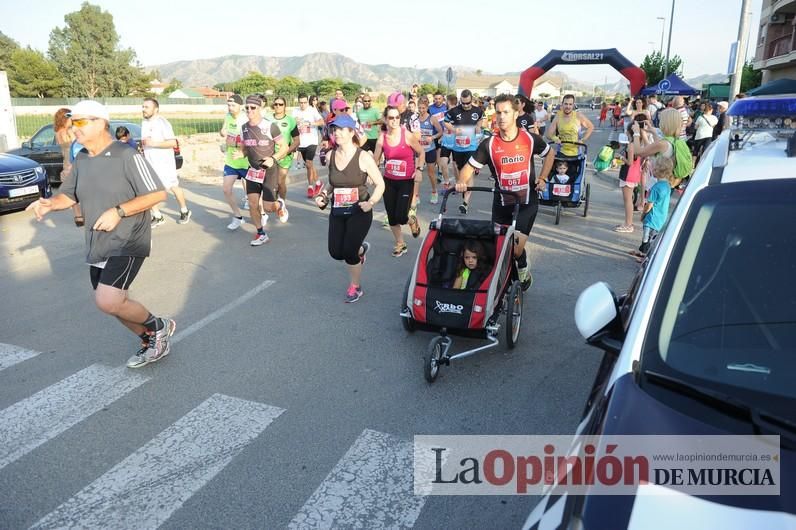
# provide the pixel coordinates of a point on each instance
(561, 176)
(474, 266)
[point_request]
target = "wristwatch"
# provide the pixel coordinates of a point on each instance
(120, 212)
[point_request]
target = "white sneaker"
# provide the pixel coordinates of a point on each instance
(259, 239)
(282, 212)
(235, 223)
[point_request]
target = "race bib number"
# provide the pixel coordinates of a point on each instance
(233, 140)
(396, 168)
(305, 127)
(366, 126)
(255, 175)
(463, 141)
(425, 141)
(345, 197)
(514, 181)
(562, 190)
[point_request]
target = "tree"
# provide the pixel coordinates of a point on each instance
(86, 53)
(174, 84)
(7, 47)
(289, 87)
(31, 75)
(427, 88)
(253, 83)
(653, 65)
(750, 78)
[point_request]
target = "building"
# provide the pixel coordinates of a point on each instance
(776, 44)
(545, 87)
(157, 86)
(186, 93)
(487, 85)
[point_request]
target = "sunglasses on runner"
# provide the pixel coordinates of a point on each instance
(251, 107)
(279, 104)
(393, 117)
(82, 122)
(365, 101)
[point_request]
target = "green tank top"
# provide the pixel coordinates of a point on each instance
(232, 130)
(286, 126)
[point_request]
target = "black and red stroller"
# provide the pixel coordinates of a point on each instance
(431, 303)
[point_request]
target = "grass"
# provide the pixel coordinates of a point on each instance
(28, 125)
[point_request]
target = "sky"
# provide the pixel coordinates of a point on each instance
(416, 33)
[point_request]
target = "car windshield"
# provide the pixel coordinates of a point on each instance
(45, 136)
(725, 314)
(134, 128)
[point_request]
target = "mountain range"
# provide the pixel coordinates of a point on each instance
(208, 72)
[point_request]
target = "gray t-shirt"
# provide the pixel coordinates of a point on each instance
(112, 177)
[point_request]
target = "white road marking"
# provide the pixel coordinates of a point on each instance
(11, 355)
(147, 487)
(29, 423)
(370, 487)
(218, 313)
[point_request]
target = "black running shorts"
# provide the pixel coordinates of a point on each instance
(119, 272)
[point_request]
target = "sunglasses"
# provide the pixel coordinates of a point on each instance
(251, 107)
(82, 122)
(365, 101)
(393, 117)
(279, 104)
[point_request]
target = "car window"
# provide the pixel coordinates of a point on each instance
(44, 137)
(134, 128)
(726, 309)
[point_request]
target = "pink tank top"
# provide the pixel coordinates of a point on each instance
(399, 161)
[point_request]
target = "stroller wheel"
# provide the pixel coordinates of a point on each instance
(513, 314)
(433, 360)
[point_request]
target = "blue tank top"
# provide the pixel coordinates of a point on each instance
(427, 130)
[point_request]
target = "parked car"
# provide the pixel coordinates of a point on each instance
(22, 181)
(704, 341)
(43, 149)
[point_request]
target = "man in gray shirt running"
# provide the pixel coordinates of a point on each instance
(116, 187)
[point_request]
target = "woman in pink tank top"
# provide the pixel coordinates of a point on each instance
(403, 162)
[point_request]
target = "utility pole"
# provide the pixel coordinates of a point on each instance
(669, 45)
(740, 54)
(663, 28)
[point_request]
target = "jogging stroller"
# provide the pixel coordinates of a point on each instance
(431, 303)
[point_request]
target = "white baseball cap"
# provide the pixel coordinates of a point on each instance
(91, 108)
(623, 139)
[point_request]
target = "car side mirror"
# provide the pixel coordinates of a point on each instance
(27, 145)
(597, 317)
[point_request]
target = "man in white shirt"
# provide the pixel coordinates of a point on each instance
(159, 141)
(308, 120)
(541, 117)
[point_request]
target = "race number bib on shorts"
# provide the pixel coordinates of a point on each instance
(514, 181)
(561, 189)
(396, 168)
(255, 175)
(345, 197)
(463, 141)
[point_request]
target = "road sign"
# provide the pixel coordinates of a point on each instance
(733, 58)
(449, 75)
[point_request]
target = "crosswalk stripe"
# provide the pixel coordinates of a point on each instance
(148, 486)
(11, 355)
(370, 487)
(29, 423)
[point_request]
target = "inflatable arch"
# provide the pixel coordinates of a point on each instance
(611, 56)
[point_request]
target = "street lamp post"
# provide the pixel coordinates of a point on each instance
(663, 28)
(669, 44)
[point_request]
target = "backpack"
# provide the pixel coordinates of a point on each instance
(681, 156)
(606, 153)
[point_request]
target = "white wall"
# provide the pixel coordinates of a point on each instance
(8, 125)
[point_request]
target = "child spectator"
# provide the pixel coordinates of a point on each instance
(656, 211)
(473, 267)
(123, 135)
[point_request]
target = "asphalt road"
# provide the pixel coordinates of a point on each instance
(279, 405)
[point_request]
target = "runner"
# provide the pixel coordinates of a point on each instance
(430, 131)
(260, 140)
(445, 142)
(526, 117)
(352, 204)
(438, 109)
(117, 187)
(566, 127)
(158, 141)
(235, 163)
(370, 120)
(512, 173)
(402, 168)
(541, 118)
(290, 134)
(463, 121)
(309, 120)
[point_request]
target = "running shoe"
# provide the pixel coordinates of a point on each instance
(362, 255)
(157, 347)
(235, 223)
(184, 217)
(318, 188)
(414, 225)
(463, 208)
(399, 250)
(281, 211)
(385, 222)
(434, 198)
(353, 294)
(259, 239)
(157, 221)
(310, 192)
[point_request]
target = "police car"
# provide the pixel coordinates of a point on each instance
(704, 341)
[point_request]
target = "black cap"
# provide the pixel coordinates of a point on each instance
(235, 98)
